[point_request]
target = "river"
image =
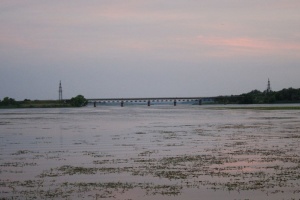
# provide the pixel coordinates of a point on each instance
(157, 152)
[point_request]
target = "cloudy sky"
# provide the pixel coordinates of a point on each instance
(142, 48)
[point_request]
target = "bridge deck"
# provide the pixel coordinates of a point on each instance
(148, 99)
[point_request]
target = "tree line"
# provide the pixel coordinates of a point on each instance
(77, 101)
(289, 95)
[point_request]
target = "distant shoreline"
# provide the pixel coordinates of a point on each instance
(38, 104)
(217, 106)
(9, 103)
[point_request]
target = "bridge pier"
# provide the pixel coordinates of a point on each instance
(95, 103)
(148, 103)
(200, 101)
(175, 102)
(122, 103)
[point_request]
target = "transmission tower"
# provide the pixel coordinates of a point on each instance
(60, 97)
(269, 86)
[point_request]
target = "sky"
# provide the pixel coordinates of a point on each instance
(142, 48)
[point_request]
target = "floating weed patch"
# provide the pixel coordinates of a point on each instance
(96, 154)
(35, 189)
(70, 170)
(147, 153)
(169, 190)
(140, 133)
(171, 174)
(291, 136)
(4, 123)
(17, 164)
(101, 162)
(21, 152)
(237, 126)
(167, 135)
(142, 160)
(75, 170)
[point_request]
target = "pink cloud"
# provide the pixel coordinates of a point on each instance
(234, 47)
(232, 42)
(249, 44)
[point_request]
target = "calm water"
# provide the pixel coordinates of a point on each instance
(158, 152)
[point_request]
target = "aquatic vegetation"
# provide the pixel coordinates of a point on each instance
(140, 133)
(73, 170)
(20, 152)
(17, 164)
(147, 153)
(171, 174)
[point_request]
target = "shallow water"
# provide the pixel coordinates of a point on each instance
(158, 152)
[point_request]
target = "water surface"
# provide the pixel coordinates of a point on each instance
(158, 152)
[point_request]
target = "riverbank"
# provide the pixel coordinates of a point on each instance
(37, 104)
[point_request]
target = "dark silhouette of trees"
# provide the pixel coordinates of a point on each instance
(8, 101)
(78, 101)
(289, 95)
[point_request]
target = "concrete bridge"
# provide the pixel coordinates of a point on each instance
(149, 101)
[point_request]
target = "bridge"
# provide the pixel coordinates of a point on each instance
(149, 101)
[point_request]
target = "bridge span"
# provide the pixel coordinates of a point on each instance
(150, 100)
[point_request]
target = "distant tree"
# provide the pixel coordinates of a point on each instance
(8, 101)
(78, 101)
